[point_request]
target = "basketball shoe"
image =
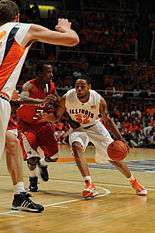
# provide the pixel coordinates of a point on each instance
(33, 187)
(23, 202)
(89, 190)
(43, 171)
(140, 190)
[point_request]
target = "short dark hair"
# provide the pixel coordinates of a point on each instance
(84, 77)
(40, 67)
(8, 11)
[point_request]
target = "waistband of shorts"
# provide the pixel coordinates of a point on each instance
(4, 96)
(89, 126)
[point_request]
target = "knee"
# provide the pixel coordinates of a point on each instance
(32, 162)
(77, 148)
(12, 144)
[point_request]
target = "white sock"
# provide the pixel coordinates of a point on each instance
(19, 187)
(33, 173)
(87, 178)
(43, 162)
(131, 178)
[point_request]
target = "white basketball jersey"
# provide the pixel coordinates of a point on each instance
(85, 113)
(12, 54)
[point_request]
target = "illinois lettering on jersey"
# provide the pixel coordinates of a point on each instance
(83, 113)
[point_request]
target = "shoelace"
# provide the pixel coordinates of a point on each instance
(27, 200)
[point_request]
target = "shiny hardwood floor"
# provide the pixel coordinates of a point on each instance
(116, 210)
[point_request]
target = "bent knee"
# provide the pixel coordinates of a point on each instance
(12, 143)
(32, 162)
(77, 147)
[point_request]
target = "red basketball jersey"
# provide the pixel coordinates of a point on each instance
(30, 113)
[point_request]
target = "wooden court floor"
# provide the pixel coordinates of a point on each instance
(116, 210)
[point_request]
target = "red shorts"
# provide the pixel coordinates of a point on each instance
(41, 135)
(11, 125)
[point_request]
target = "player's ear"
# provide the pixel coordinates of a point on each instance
(89, 85)
(17, 17)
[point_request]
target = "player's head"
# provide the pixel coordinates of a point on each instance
(9, 11)
(44, 72)
(82, 86)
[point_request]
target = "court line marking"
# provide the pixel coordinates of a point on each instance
(128, 186)
(57, 204)
(107, 192)
(108, 184)
(12, 213)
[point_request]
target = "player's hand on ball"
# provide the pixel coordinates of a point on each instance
(47, 117)
(15, 96)
(117, 150)
(50, 99)
(123, 140)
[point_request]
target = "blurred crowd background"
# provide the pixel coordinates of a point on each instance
(116, 50)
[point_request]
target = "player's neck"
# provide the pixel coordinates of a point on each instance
(41, 83)
(84, 99)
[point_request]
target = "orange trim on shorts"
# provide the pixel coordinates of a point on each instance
(71, 159)
(10, 62)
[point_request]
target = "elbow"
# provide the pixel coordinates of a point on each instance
(73, 41)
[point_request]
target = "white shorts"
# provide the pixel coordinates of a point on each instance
(98, 135)
(13, 131)
(5, 111)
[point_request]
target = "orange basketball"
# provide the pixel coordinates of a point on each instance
(117, 150)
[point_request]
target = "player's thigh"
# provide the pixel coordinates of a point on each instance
(45, 135)
(101, 139)
(80, 137)
(50, 149)
(101, 146)
(31, 137)
(46, 140)
(5, 111)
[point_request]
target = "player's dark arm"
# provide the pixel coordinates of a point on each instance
(108, 122)
(25, 95)
(60, 109)
(54, 97)
(55, 116)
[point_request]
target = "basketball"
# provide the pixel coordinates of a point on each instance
(117, 150)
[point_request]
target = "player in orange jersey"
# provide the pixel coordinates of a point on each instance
(15, 41)
(84, 107)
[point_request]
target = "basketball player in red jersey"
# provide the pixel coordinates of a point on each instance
(84, 107)
(38, 133)
(15, 41)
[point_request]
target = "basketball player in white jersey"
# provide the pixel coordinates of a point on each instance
(84, 107)
(15, 41)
